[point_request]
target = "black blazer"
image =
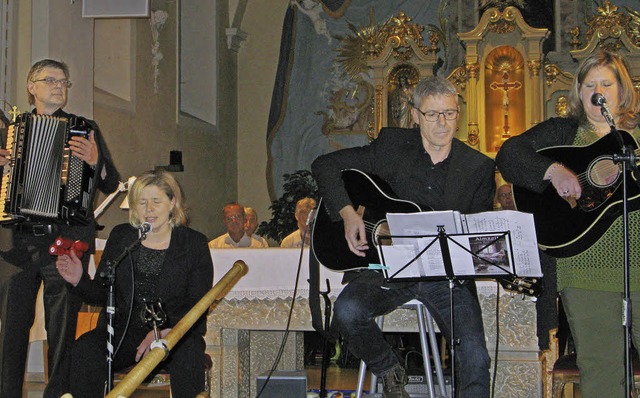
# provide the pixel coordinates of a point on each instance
(518, 160)
(186, 275)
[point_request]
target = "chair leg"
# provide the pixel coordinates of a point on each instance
(362, 372)
(425, 323)
(425, 327)
(426, 362)
(434, 348)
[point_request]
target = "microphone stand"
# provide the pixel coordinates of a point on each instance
(627, 158)
(110, 278)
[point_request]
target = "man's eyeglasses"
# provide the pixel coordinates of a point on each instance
(433, 116)
(234, 217)
(53, 82)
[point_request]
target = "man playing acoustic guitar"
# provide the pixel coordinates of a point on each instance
(427, 166)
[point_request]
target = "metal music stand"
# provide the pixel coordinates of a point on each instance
(628, 161)
(444, 239)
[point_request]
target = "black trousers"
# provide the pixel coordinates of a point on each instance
(19, 285)
(185, 363)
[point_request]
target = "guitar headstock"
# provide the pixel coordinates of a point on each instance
(531, 287)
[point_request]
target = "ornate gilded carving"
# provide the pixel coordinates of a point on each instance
(633, 29)
(367, 43)
(636, 83)
(608, 24)
(561, 106)
(397, 32)
(434, 39)
(534, 67)
(348, 109)
(473, 135)
(472, 70)
(552, 71)
(502, 22)
(365, 56)
(459, 77)
(575, 34)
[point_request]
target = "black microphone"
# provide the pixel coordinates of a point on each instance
(598, 99)
(145, 228)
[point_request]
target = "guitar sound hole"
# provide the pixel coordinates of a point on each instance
(382, 229)
(604, 172)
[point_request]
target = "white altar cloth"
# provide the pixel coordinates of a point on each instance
(271, 273)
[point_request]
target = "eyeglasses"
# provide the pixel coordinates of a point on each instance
(433, 116)
(234, 217)
(49, 81)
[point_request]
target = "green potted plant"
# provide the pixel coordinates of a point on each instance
(297, 185)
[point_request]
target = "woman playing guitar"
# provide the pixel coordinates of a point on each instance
(563, 172)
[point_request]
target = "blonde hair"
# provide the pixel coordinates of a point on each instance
(629, 102)
(165, 181)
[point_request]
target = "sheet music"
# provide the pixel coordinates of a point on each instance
(523, 236)
(422, 223)
(484, 234)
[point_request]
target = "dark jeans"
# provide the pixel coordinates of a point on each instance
(366, 297)
(18, 291)
(185, 363)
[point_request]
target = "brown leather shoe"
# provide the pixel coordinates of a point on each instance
(393, 383)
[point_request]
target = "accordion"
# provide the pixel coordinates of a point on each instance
(43, 180)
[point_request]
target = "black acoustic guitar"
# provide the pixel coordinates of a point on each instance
(372, 197)
(566, 226)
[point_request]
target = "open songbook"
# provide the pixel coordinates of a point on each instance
(488, 244)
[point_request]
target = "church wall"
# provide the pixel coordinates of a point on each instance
(257, 63)
(142, 136)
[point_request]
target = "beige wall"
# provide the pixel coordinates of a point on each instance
(141, 139)
(257, 63)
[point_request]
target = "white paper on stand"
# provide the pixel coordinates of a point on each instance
(484, 234)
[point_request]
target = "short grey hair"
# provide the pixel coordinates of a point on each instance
(433, 85)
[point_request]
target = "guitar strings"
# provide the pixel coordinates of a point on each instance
(609, 168)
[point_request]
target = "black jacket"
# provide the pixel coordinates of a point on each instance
(186, 276)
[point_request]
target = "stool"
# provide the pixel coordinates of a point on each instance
(425, 326)
(565, 371)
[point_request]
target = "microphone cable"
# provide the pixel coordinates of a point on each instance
(276, 361)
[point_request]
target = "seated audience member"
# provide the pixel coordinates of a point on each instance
(234, 220)
(505, 197)
(172, 264)
(303, 208)
(251, 224)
